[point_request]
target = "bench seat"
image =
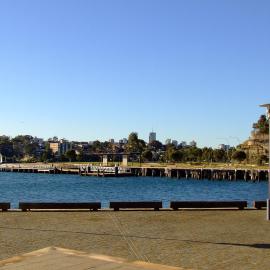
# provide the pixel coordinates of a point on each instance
(4, 206)
(156, 205)
(175, 205)
(24, 206)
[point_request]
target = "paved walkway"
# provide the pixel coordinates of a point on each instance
(203, 240)
(54, 258)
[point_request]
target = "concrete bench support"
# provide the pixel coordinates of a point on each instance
(4, 206)
(259, 204)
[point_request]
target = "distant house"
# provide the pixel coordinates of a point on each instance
(1, 158)
(60, 147)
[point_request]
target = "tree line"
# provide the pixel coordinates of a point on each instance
(26, 148)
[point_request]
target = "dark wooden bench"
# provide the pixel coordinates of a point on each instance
(136, 205)
(4, 206)
(175, 205)
(259, 204)
(24, 206)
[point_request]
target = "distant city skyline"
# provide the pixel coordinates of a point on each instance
(152, 137)
(86, 70)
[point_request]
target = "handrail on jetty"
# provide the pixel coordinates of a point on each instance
(105, 169)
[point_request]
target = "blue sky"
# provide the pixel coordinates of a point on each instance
(87, 70)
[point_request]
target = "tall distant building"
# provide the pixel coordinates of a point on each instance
(175, 143)
(224, 147)
(193, 144)
(183, 143)
(168, 141)
(152, 136)
(123, 141)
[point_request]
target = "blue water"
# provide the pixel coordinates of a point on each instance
(15, 187)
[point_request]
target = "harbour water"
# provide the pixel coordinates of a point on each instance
(17, 187)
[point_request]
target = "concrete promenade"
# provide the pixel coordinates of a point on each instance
(188, 239)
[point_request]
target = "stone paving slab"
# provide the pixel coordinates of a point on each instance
(54, 258)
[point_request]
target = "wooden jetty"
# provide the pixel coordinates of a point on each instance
(203, 173)
(229, 174)
(99, 171)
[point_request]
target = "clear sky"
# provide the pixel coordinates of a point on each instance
(87, 70)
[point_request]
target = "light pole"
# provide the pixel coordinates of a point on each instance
(267, 106)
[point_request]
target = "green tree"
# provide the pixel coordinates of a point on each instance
(192, 154)
(96, 147)
(197, 152)
(230, 153)
(135, 144)
(4, 139)
(6, 146)
(262, 159)
(147, 155)
(177, 156)
(155, 145)
(170, 149)
(239, 155)
(46, 155)
(207, 154)
(30, 149)
(71, 155)
(262, 124)
(219, 155)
